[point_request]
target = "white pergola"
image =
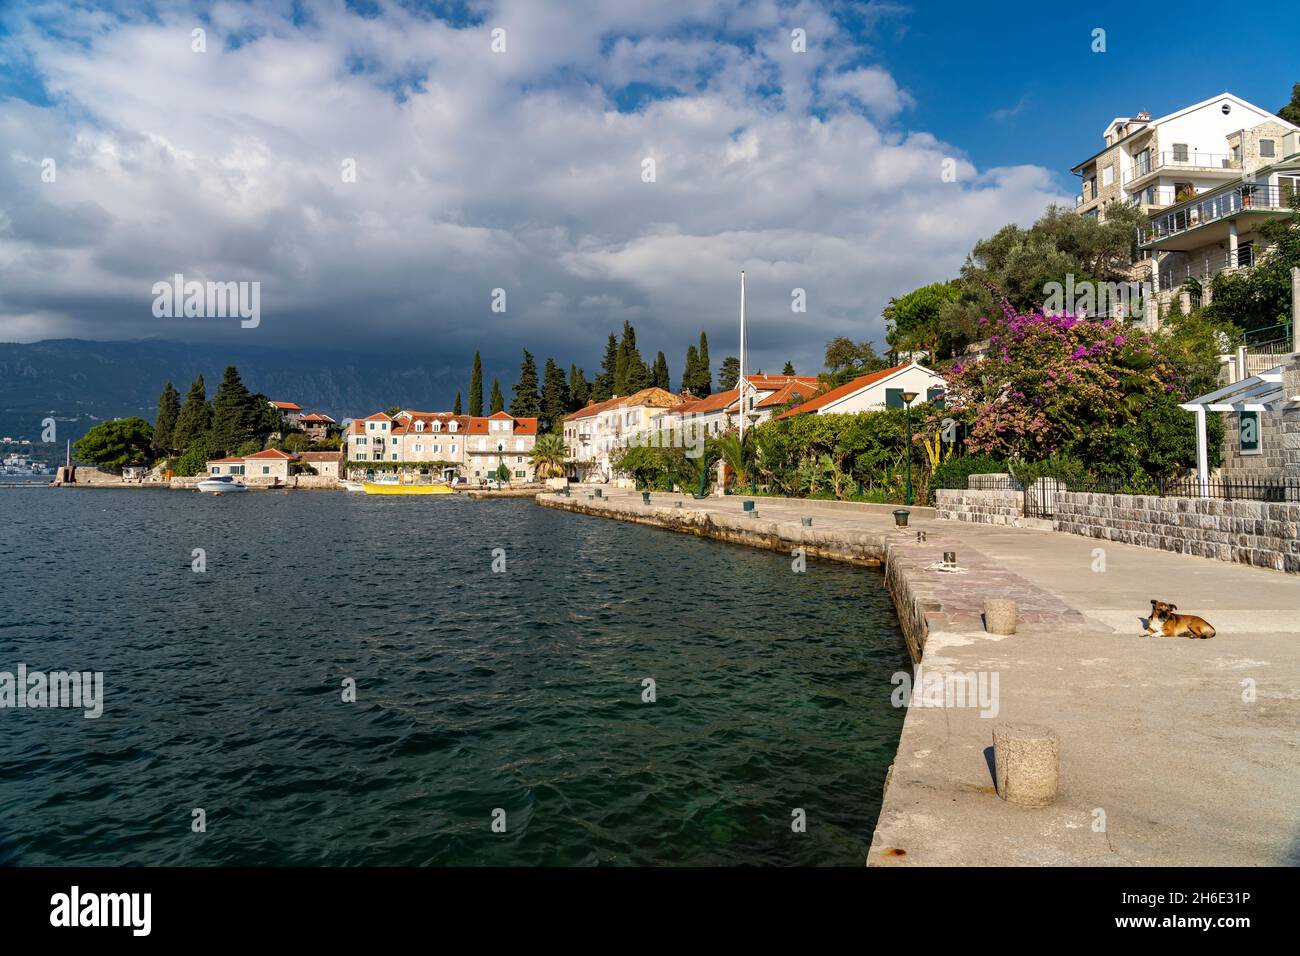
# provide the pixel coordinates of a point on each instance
(1258, 393)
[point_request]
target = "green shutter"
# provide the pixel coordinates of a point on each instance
(893, 398)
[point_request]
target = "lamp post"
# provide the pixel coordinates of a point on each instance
(908, 399)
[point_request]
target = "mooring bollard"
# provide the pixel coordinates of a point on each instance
(645, 497)
(999, 616)
(748, 505)
(1026, 763)
(900, 517)
(806, 522)
(598, 494)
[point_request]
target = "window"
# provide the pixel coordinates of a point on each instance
(1180, 152)
(1108, 176)
(519, 459)
(453, 449)
(372, 425)
(216, 469)
(520, 474)
(419, 448)
(266, 469)
(394, 456)
(437, 426)
(893, 398)
(437, 449)
(362, 440)
(419, 426)
(1266, 148)
(394, 439)
(452, 426)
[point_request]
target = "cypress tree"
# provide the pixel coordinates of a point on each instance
(476, 387)
(705, 372)
(789, 368)
(691, 372)
(579, 390)
(525, 403)
(455, 409)
(169, 409)
(603, 387)
(498, 400)
(555, 394)
(660, 377)
(195, 417)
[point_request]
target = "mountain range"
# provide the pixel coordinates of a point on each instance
(78, 382)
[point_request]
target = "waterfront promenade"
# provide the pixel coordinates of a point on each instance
(1174, 752)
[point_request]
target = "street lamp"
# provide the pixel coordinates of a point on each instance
(908, 399)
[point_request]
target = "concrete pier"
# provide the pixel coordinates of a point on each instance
(1173, 752)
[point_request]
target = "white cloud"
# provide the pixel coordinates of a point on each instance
(515, 171)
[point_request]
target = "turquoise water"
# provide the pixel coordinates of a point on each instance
(476, 691)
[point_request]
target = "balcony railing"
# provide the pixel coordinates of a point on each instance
(1217, 205)
(1204, 268)
(1178, 160)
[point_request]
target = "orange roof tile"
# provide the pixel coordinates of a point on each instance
(288, 406)
(269, 453)
(653, 397)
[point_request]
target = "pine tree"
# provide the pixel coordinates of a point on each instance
(555, 393)
(660, 377)
(169, 409)
(476, 387)
(498, 400)
(233, 415)
(455, 409)
(728, 373)
(603, 388)
(705, 372)
(789, 368)
(691, 372)
(195, 417)
(525, 403)
(579, 390)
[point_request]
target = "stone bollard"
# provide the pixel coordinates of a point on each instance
(999, 616)
(1026, 761)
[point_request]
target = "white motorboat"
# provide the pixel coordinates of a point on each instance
(221, 484)
(354, 486)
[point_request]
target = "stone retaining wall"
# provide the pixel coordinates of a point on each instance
(1258, 533)
(980, 507)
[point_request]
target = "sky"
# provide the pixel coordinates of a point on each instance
(857, 168)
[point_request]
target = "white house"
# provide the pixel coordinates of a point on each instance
(883, 389)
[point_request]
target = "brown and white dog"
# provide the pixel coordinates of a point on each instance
(1164, 621)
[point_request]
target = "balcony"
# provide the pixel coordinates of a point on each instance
(1199, 222)
(1151, 166)
(1204, 268)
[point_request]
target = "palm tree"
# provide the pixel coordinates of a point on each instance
(738, 455)
(548, 455)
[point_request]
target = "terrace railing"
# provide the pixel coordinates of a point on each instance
(1217, 205)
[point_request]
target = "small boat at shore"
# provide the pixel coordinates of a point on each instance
(221, 485)
(392, 485)
(353, 486)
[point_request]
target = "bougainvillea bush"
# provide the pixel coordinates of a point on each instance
(1101, 392)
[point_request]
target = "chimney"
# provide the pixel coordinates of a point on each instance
(1144, 115)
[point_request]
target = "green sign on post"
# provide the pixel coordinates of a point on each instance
(1248, 432)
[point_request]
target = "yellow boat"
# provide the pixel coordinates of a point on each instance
(395, 487)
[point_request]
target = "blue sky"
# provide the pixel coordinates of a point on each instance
(964, 62)
(524, 170)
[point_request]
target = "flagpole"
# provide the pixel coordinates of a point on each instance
(740, 382)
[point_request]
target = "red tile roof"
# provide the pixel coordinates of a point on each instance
(848, 388)
(317, 417)
(270, 453)
(792, 391)
(653, 397)
(288, 406)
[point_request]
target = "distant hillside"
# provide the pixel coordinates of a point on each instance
(78, 382)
